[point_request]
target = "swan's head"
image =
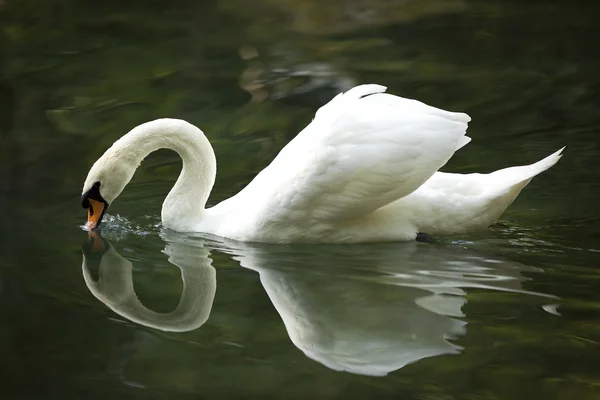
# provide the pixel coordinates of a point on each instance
(105, 182)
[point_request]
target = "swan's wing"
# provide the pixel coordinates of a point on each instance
(363, 150)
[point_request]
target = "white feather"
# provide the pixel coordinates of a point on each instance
(358, 154)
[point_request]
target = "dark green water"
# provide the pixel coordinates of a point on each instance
(509, 313)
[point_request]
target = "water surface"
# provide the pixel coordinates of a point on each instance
(508, 313)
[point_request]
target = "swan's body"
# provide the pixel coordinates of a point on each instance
(365, 169)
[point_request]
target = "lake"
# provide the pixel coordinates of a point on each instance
(138, 311)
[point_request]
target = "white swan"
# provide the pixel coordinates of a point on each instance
(364, 170)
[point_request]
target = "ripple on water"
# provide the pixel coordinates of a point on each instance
(116, 227)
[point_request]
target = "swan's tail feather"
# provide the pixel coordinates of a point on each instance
(513, 177)
(546, 163)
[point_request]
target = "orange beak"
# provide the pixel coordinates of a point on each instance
(95, 210)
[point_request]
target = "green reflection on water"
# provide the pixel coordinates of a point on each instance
(76, 76)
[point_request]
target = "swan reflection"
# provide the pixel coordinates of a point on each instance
(364, 309)
(372, 309)
(114, 286)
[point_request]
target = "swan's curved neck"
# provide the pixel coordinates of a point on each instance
(184, 205)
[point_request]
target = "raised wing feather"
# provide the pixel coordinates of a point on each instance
(363, 150)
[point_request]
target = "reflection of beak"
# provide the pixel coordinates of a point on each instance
(95, 243)
(95, 213)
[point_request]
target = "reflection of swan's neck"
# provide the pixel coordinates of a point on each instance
(184, 205)
(114, 288)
